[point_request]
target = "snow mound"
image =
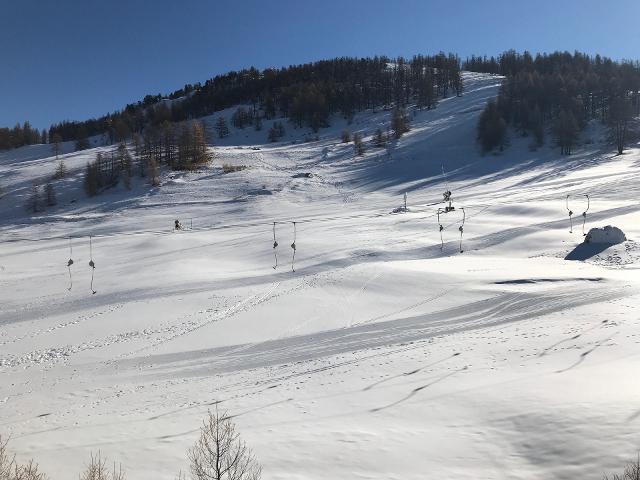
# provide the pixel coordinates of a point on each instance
(609, 235)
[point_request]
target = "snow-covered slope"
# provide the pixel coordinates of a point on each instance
(384, 355)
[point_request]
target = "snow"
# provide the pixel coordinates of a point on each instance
(382, 356)
(609, 235)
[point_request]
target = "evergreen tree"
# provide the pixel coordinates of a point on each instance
(56, 144)
(537, 126)
(492, 129)
(619, 116)
(379, 139)
(566, 131)
(91, 179)
(399, 122)
(125, 164)
(221, 127)
(34, 201)
(358, 144)
(154, 172)
(61, 170)
(82, 143)
(199, 148)
(50, 194)
(273, 136)
(345, 136)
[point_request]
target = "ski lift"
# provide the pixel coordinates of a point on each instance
(584, 214)
(443, 211)
(275, 247)
(293, 247)
(69, 263)
(92, 265)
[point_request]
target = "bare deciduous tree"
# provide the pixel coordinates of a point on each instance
(10, 469)
(97, 470)
(220, 454)
(631, 472)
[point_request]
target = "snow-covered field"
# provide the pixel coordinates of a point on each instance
(382, 356)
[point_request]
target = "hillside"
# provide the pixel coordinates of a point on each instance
(385, 354)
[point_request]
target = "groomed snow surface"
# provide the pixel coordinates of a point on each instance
(383, 356)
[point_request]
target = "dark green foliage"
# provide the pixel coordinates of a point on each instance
(61, 171)
(241, 117)
(492, 128)
(358, 144)
(34, 201)
(578, 87)
(399, 122)
(82, 144)
(56, 144)
(276, 132)
(107, 170)
(537, 126)
(19, 136)
(380, 139)
(50, 195)
(308, 94)
(192, 147)
(221, 127)
(619, 116)
(566, 131)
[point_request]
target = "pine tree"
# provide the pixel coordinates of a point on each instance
(345, 136)
(82, 143)
(199, 150)
(154, 172)
(619, 115)
(272, 135)
(50, 194)
(91, 179)
(492, 129)
(125, 164)
(221, 127)
(399, 122)
(566, 131)
(537, 126)
(358, 144)
(56, 144)
(276, 132)
(61, 170)
(379, 139)
(34, 201)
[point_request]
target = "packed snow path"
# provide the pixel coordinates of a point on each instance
(382, 356)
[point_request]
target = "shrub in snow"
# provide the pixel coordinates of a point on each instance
(609, 235)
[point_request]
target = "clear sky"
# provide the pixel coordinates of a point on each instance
(74, 59)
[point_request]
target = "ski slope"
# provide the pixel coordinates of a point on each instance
(383, 356)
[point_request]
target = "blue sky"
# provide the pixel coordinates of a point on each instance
(74, 59)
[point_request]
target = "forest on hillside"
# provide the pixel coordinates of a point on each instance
(558, 94)
(305, 94)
